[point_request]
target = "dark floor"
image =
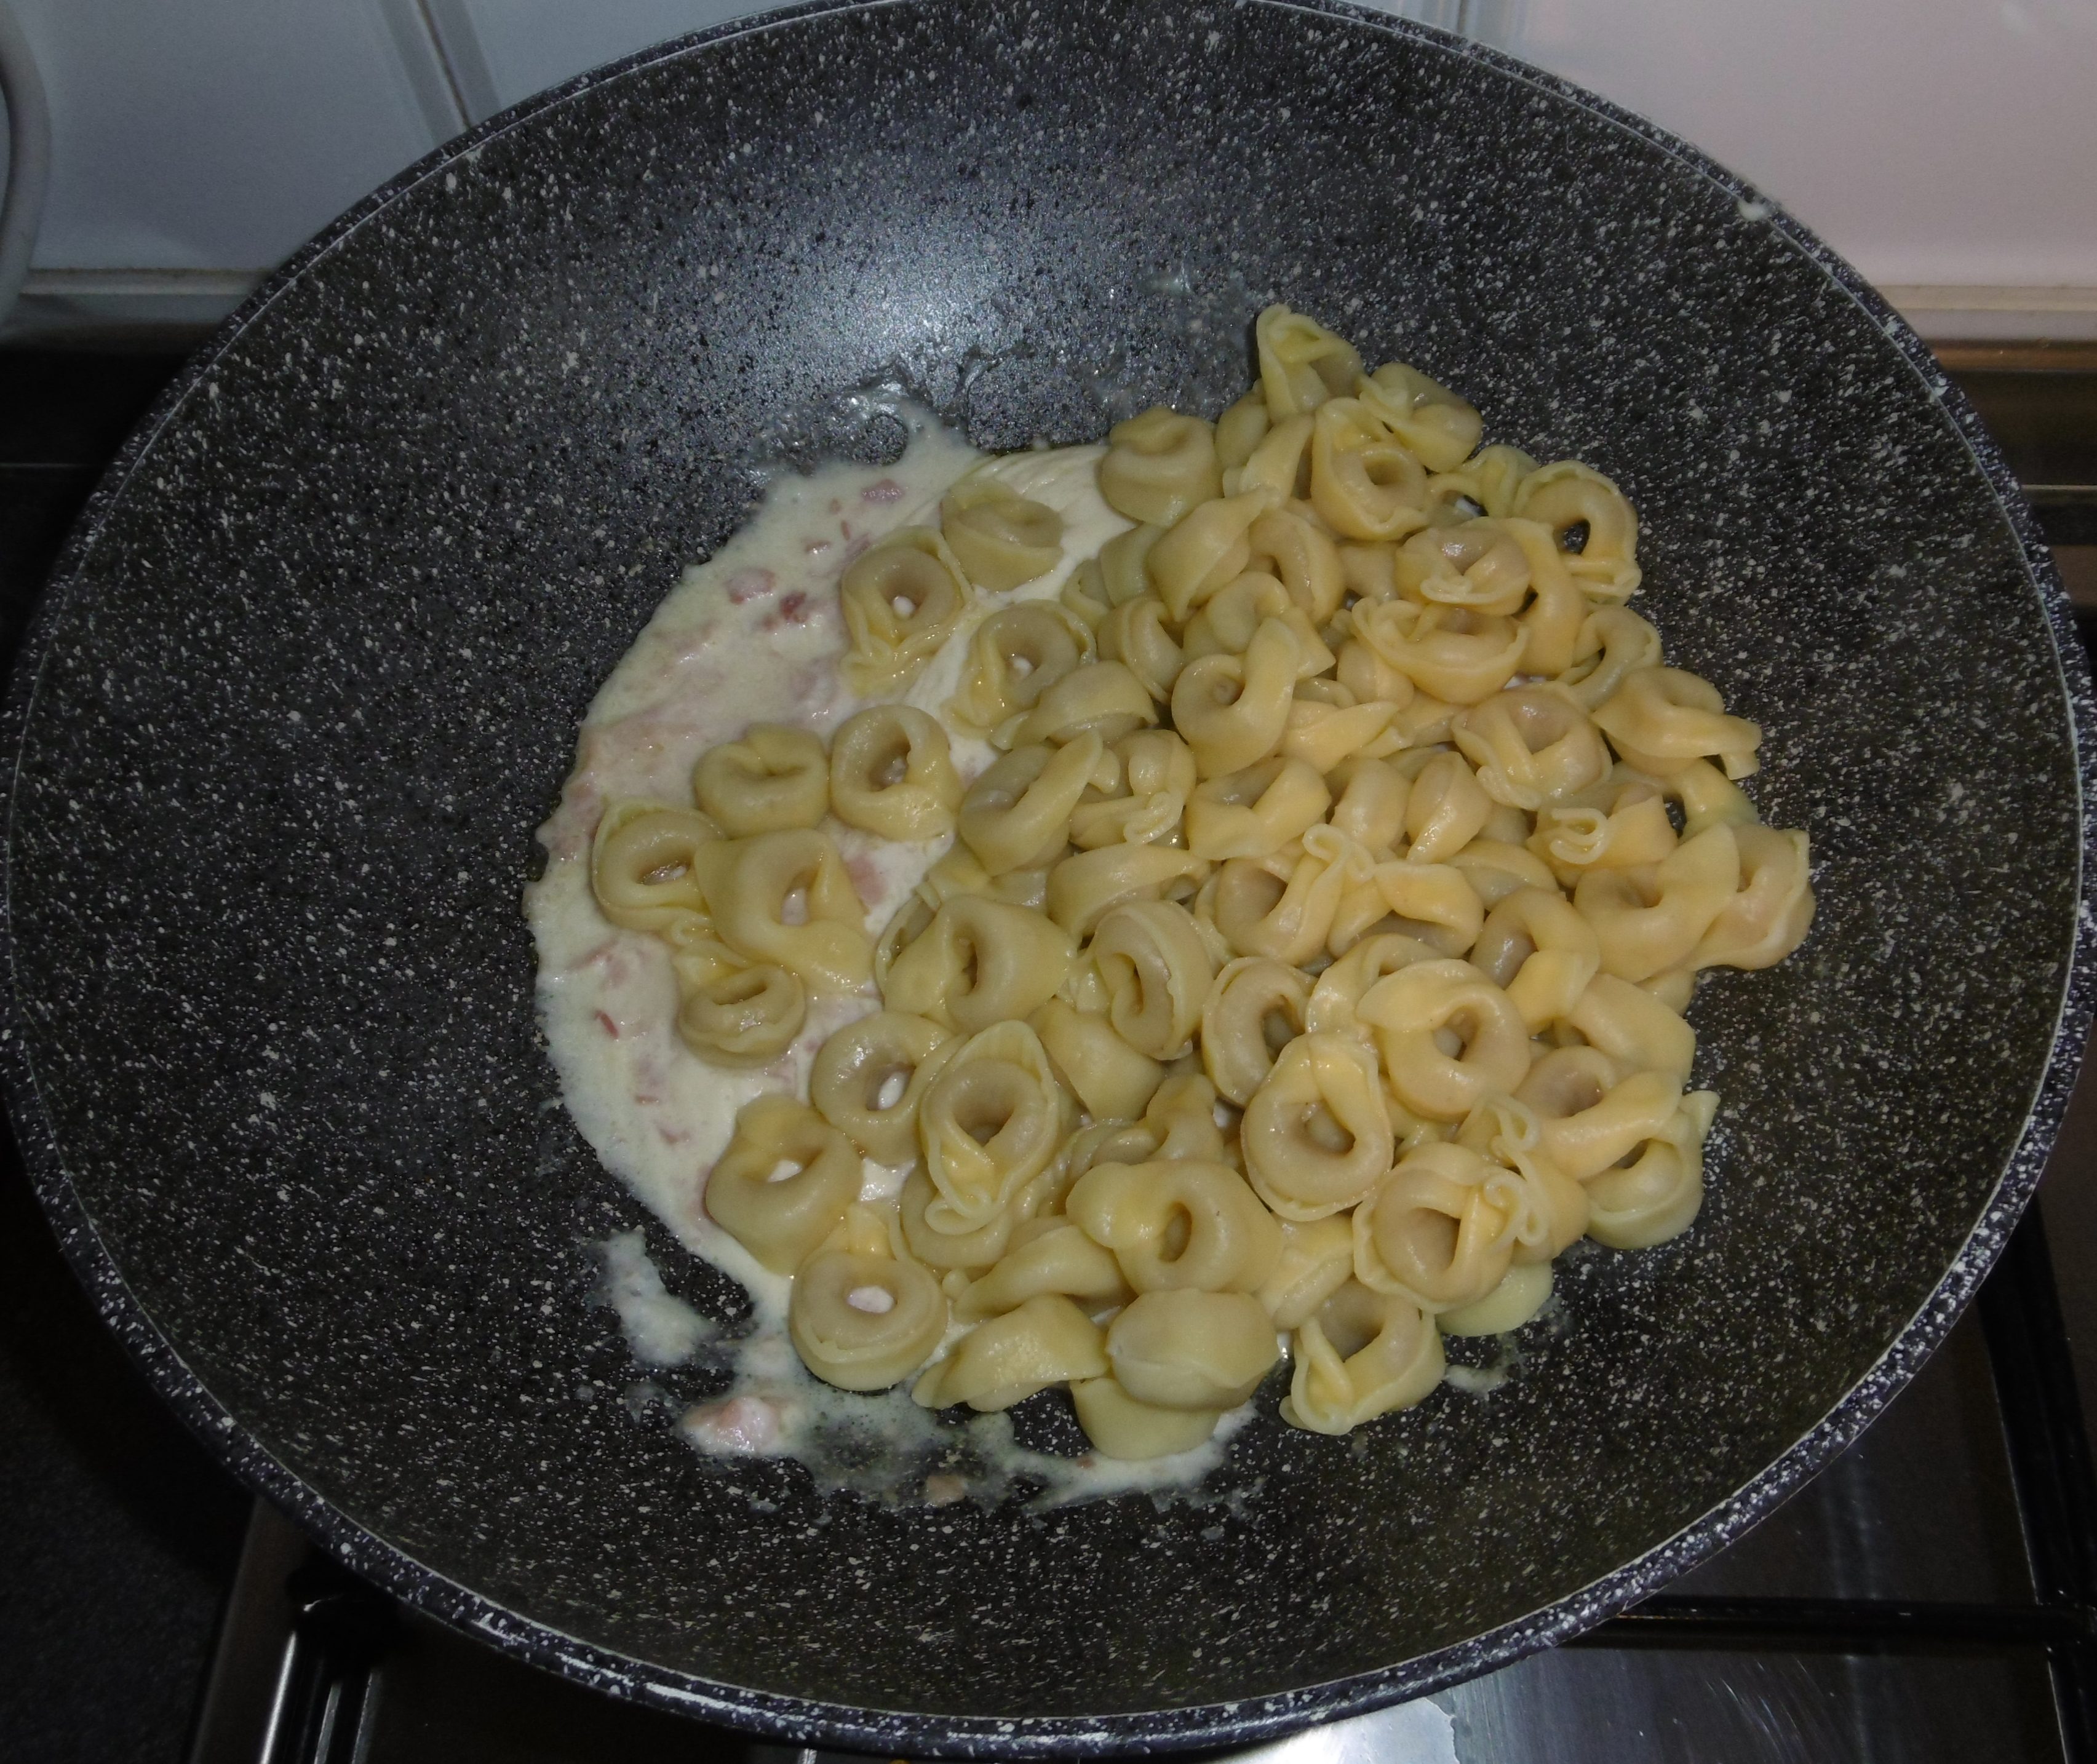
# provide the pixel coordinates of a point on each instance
(118, 1536)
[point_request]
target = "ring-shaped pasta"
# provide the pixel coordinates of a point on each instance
(1256, 812)
(1317, 1135)
(991, 1123)
(1125, 564)
(1048, 1255)
(1495, 870)
(1255, 1007)
(1230, 710)
(1370, 803)
(1532, 745)
(1017, 815)
(1326, 725)
(1186, 1349)
(1591, 1113)
(1451, 654)
(1365, 483)
(1590, 522)
(1157, 776)
(1112, 1080)
(1434, 902)
(1487, 483)
(646, 868)
(784, 1182)
(901, 601)
(892, 773)
(1084, 886)
(1223, 624)
(1768, 917)
(1158, 466)
(1013, 657)
(1661, 719)
(1655, 1194)
(1120, 1427)
(1372, 679)
(1557, 611)
(1437, 1231)
(1205, 549)
(1280, 465)
(1137, 635)
(1649, 920)
(1302, 558)
(1100, 698)
(1270, 906)
(1635, 1028)
(1476, 563)
(775, 779)
(869, 1077)
(1620, 824)
(980, 961)
(733, 1013)
(1449, 1037)
(968, 1253)
(1046, 1341)
(1240, 429)
(1300, 363)
(1177, 1222)
(1156, 971)
(864, 1322)
(1614, 643)
(1364, 1353)
(1438, 425)
(1000, 538)
(1538, 949)
(786, 898)
(1547, 1207)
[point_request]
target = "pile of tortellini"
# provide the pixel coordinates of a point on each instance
(1311, 963)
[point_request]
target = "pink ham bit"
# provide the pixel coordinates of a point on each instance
(607, 1026)
(748, 584)
(747, 1425)
(887, 490)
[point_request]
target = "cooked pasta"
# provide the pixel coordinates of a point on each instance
(1310, 881)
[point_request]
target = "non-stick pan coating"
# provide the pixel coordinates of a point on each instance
(311, 672)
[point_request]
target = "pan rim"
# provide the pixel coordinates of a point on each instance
(1210, 1724)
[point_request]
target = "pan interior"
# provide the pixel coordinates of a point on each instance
(314, 677)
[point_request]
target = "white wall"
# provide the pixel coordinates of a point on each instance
(1940, 144)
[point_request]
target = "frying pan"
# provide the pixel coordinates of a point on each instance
(309, 674)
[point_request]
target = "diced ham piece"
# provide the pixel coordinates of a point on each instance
(749, 1426)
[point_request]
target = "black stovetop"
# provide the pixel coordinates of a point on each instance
(1928, 1597)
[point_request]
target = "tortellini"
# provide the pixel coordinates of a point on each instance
(1308, 959)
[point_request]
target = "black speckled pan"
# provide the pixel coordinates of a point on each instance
(309, 676)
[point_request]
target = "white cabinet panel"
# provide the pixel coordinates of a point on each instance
(525, 46)
(1929, 141)
(214, 133)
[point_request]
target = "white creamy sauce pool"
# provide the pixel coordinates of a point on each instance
(755, 635)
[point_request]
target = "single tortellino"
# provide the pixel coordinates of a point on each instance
(1223, 624)
(1113, 1080)
(869, 1077)
(1255, 812)
(733, 1012)
(1488, 482)
(968, 1253)
(1661, 718)
(1102, 699)
(1084, 888)
(646, 869)
(1451, 654)
(1448, 1036)
(860, 1317)
(1317, 1135)
(1013, 657)
(1295, 552)
(1188, 1348)
(1206, 548)
(1364, 1353)
(892, 773)
(1439, 427)
(1120, 1427)
(992, 1120)
(1335, 999)
(1178, 1222)
(1547, 1208)
(1138, 635)
(1269, 907)
(1047, 1341)
(1255, 1007)
(1648, 920)
(1438, 1230)
(1589, 520)
(1241, 429)
(1327, 725)
(1000, 537)
(1634, 1027)
(1768, 918)
(1476, 563)
(1445, 810)
(1434, 902)
(1365, 483)
(1156, 779)
(1657, 1195)
(1317, 1260)
(1155, 971)
(1017, 815)
(1300, 363)
(775, 779)
(1591, 1113)
(784, 1183)
(1620, 823)
(1158, 466)
(901, 601)
(1048, 1255)
(1537, 948)
(1523, 1291)
(1532, 746)
(1280, 465)
(1232, 710)
(786, 898)
(979, 962)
